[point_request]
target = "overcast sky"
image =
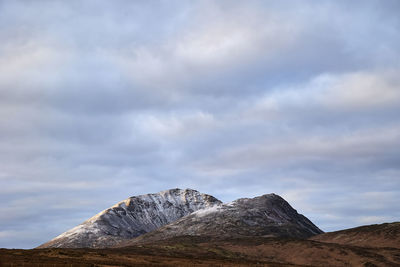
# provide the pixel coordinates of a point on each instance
(102, 100)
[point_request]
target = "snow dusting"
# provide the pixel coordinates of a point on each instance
(133, 217)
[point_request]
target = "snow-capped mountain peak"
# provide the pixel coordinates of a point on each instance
(132, 217)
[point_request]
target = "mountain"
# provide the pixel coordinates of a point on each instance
(186, 228)
(133, 217)
(376, 235)
(265, 216)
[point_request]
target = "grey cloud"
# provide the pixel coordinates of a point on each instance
(103, 100)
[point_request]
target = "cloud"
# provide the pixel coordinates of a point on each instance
(121, 98)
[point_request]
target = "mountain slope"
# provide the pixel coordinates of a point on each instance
(376, 235)
(133, 217)
(265, 216)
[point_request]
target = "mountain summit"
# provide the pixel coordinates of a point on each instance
(132, 217)
(176, 212)
(264, 216)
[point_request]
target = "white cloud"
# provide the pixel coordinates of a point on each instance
(173, 125)
(354, 91)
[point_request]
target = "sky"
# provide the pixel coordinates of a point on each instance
(103, 100)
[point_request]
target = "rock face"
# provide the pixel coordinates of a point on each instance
(133, 217)
(376, 235)
(265, 216)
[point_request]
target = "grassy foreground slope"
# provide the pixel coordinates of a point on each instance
(203, 251)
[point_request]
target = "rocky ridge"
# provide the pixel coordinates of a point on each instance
(265, 216)
(133, 217)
